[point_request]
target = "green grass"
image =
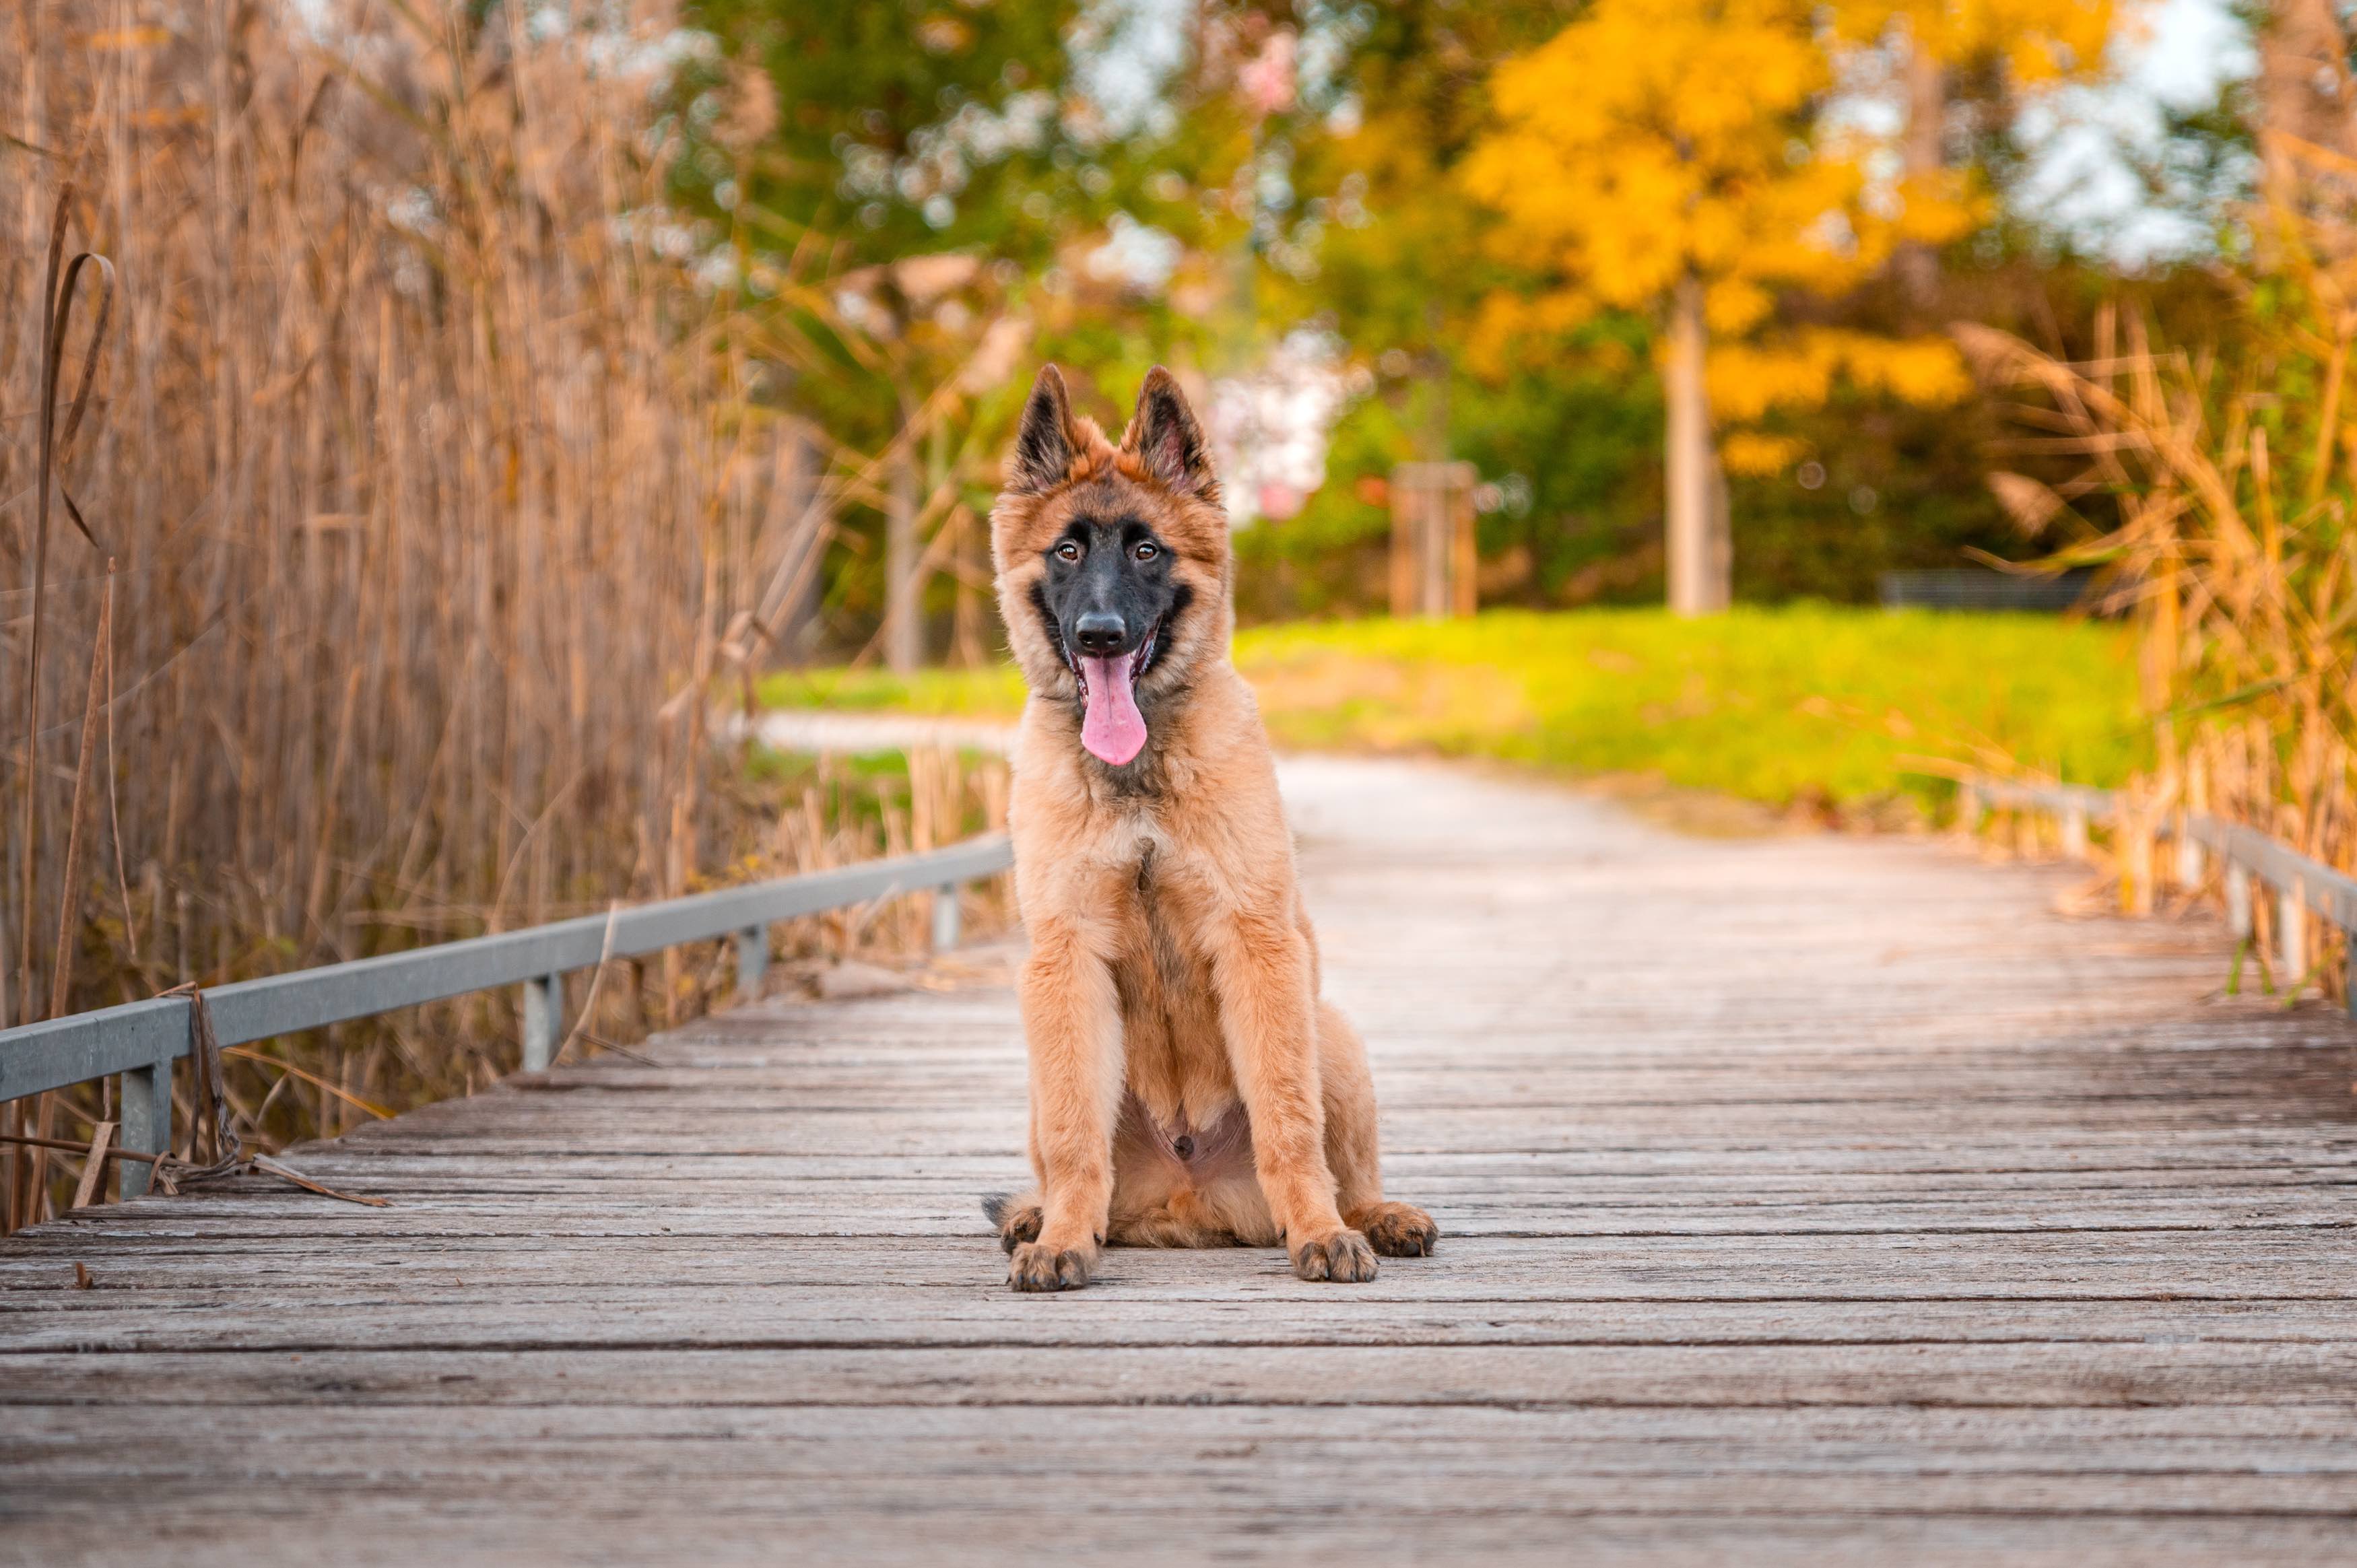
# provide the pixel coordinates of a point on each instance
(996, 692)
(1805, 703)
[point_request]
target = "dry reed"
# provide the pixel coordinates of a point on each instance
(2218, 486)
(438, 518)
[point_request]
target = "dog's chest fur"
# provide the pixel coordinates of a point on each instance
(1177, 1055)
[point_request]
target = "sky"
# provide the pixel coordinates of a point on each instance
(2085, 142)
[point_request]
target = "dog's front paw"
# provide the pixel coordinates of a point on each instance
(1036, 1268)
(1396, 1230)
(1342, 1256)
(1018, 1223)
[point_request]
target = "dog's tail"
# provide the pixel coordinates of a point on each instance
(1014, 1216)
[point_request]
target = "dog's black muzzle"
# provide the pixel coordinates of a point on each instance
(1101, 634)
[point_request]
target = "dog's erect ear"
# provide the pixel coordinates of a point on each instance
(1045, 445)
(1164, 433)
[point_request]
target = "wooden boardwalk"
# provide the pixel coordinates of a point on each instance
(1803, 1199)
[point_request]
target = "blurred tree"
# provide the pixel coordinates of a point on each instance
(1962, 65)
(863, 160)
(1111, 183)
(1670, 156)
(1387, 257)
(901, 127)
(1394, 273)
(944, 189)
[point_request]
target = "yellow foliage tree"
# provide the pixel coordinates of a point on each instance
(1948, 48)
(1668, 156)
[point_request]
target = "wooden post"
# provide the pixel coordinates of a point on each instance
(1434, 543)
(752, 962)
(1404, 540)
(2074, 831)
(1464, 563)
(1433, 562)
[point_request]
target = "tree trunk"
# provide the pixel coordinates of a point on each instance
(2303, 94)
(1924, 149)
(1697, 543)
(904, 627)
(1719, 563)
(967, 647)
(796, 614)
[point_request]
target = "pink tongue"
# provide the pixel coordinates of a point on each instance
(1112, 730)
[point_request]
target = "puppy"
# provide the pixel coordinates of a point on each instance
(1189, 1087)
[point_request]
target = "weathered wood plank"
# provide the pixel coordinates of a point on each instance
(909, 1527)
(184, 1331)
(1516, 1377)
(1807, 1199)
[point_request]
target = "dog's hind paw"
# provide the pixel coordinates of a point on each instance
(1036, 1268)
(1396, 1230)
(1018, 1219)
(1343, 1257)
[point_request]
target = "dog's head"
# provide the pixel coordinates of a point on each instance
(1112, 561)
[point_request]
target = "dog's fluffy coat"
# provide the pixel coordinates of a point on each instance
(1189, 1087)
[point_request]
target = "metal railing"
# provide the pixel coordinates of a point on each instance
(2302, 886)
(141, 1040)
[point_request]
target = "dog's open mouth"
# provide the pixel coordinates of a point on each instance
(1111, 727)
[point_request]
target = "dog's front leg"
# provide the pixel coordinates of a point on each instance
(1072, 1019)
(1266, 981)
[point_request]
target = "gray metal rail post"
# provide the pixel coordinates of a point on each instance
(145, 1096)
(543, 1021)
(945, 916)
(2190, 866)
(2291, 933)
(2074, 831)
(752, 962)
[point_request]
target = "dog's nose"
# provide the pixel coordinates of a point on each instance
(1099, 632)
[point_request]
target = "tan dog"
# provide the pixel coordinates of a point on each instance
(1188, 1088)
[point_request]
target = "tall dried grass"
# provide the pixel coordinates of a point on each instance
(435, 511)
(2218, 484)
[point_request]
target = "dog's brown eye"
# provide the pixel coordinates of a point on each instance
(1068, 551)
(1146, 551)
